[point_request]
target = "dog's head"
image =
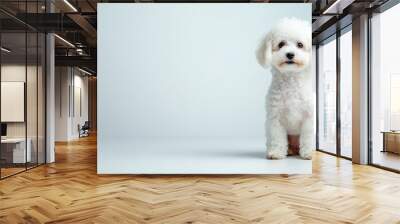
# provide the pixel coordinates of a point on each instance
(287, 47)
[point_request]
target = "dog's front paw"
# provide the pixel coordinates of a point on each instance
(276, 154)
(306, 153)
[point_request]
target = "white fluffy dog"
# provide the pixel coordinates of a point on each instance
(286, 49)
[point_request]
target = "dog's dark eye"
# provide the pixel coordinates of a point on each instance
(300, 45)
(281, 44)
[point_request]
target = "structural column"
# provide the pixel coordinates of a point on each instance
(360, 90)
(50, 92)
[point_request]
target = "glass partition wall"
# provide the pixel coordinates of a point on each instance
(22, 98)
(327, 95)
(13, 86)
(385, 90)
(334, 105)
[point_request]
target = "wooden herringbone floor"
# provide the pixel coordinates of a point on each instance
(70, 191)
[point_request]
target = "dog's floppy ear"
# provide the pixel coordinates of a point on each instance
(264, 52)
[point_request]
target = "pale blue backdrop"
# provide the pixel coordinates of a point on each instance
(180, 89)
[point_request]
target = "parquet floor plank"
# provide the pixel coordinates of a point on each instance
(70, 191)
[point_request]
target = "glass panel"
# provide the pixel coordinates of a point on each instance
(386, 89)
(31, 100)
(41, 98)
(31, 88)
(346, 94)
(314, 77)
(23, 89)
(327, 97)
(13, 88)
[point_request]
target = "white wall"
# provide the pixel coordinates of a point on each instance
(62, 81)
(69, 81)
(33, 127)
(15, 72)
(79, 117)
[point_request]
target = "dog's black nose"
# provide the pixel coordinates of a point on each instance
(290, 56)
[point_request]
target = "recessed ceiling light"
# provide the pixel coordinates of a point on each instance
(64, 40)
(337, 7)
(84, 71)
(331, 7)
(5, 50)
(70, 5)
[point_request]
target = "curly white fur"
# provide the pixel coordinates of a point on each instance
(289, 101)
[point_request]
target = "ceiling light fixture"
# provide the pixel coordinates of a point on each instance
(5, 50)
(70, 5)
(64, 40)
(84, 71)
(79, 51)
(329, 9)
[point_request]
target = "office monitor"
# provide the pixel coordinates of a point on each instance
(3, 129)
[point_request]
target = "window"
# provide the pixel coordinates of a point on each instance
(385, 89)
(346, 93)
(327, 96)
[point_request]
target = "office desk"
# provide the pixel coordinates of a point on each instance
(391, 141)
(13, 150)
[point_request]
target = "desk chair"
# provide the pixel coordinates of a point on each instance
(84, 130)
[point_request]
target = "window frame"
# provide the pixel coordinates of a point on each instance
(334, 37)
